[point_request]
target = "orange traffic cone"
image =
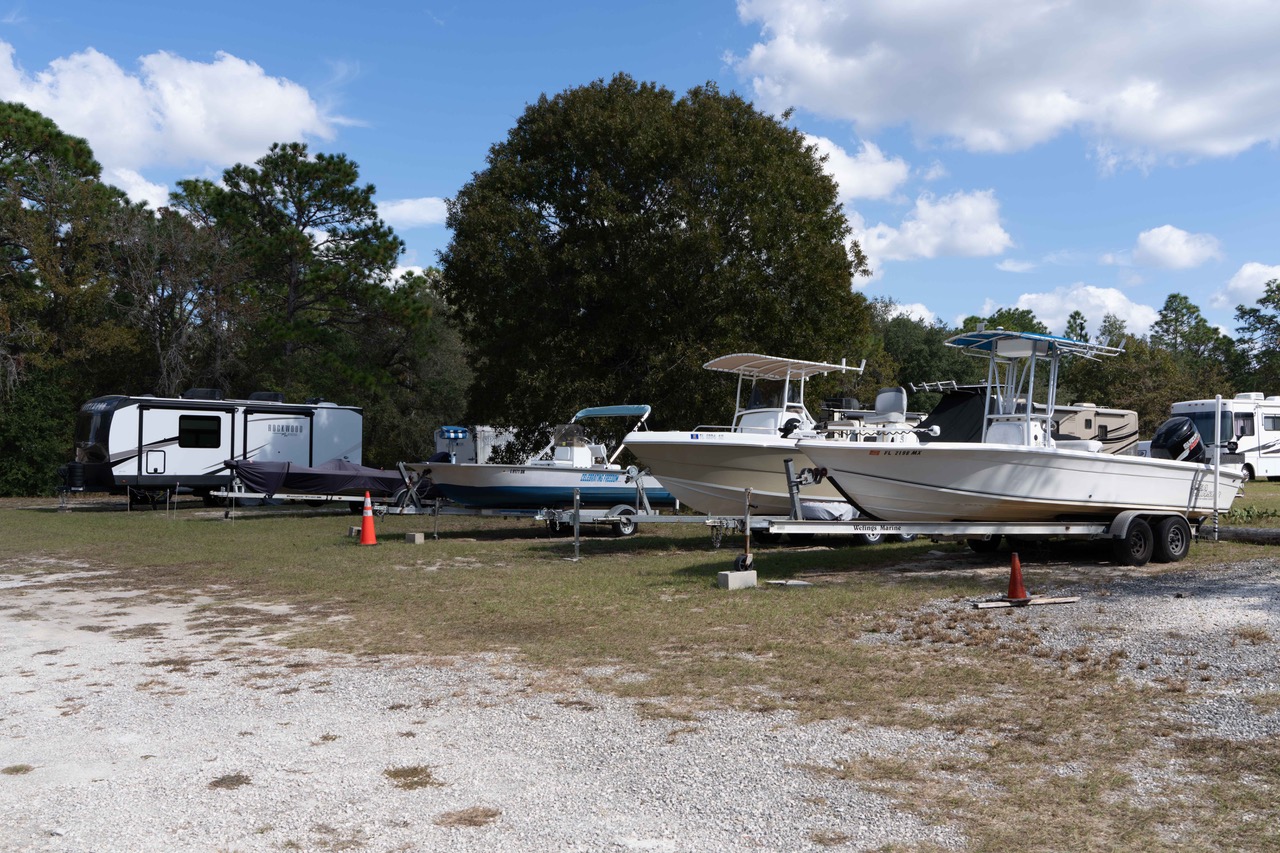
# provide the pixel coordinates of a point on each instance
(1017, 592)
(367, 536)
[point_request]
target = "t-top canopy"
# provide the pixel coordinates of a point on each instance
(755, 366)
(638, 411)
(1025, 344)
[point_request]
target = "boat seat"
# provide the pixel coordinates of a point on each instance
(891, 407)
(1012, 429)
(765, 420)
(576, 455)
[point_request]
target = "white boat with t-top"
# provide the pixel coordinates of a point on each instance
(1018, 471)
(710, 468)
(574, 463)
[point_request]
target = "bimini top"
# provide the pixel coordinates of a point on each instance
(756, 366)
(1026, 344)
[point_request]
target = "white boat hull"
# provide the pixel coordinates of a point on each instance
(944, 481)
(542, 486)
(711, 471)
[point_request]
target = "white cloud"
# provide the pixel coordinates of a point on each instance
(171, 111)
(935, 171)
(1010, 265)
(961, 224)
(1190, 77)
(867, 174)
(1246, 286)
(412, 212)
(137, 187)
(915, 310)
(1053, 308)
(401, 271)
(1175, 249)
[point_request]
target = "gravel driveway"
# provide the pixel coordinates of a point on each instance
(126, 726)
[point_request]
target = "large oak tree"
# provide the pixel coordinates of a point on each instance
(620, 237)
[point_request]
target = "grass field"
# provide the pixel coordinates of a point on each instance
(641, 617)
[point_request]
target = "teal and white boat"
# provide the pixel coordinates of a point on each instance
(548, 481)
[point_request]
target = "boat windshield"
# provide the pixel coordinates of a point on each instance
(768, 394)
(570, 435)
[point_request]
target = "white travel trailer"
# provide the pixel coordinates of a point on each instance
(1251, 420)
(147, 445)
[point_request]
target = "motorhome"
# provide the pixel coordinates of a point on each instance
(144, 446)
(1250, 419)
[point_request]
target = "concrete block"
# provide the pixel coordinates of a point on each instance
(736, 580)
(353, 531)
(415, 538)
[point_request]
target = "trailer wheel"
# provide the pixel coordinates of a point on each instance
(765, 536)
(868, 538)
(625, 525)
(1136, 546)
(1173, 539)
(903, 537)
(980, 545)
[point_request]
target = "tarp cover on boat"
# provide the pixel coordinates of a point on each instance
(335, 477)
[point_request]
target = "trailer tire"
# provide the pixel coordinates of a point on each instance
(1172, 539)
(868, 538)
(1136, 546)
(903, 537)
(984, 546)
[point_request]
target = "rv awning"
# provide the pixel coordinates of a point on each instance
(756, 366)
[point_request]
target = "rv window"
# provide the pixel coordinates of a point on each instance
(1244, 425)
(199, 431)
(1271, 422)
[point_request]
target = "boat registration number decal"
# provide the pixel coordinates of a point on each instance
(895, 453)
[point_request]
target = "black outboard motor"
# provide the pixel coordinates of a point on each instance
(1177, 438)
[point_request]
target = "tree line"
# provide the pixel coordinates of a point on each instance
(616, 239)
(277, 277)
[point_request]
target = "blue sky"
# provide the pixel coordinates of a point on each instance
(1046, 155)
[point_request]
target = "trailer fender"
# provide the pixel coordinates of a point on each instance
(1132, 539)
(625, 525)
